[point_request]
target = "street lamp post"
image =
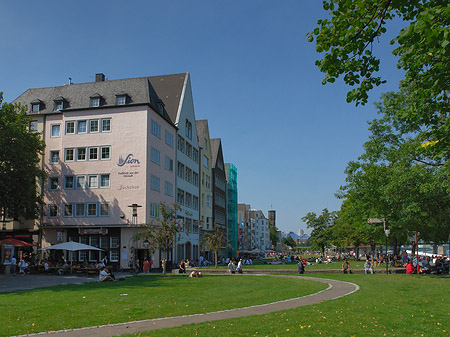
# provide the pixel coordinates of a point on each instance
(134, 222)
(386, 234)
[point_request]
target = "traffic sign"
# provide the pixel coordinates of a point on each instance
(375, 220)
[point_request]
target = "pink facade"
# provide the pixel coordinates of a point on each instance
(109, 158)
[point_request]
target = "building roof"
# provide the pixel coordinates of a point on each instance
(151, 91)
(215, 148)
(202, 130)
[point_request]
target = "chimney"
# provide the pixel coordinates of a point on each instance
(100, 77)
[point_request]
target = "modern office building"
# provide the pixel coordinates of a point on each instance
(232, 209)
(110, 154)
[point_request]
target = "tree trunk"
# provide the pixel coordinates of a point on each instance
(215, 258)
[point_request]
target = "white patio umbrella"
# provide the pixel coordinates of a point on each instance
(73, 247)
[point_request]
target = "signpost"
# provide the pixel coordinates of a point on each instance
(386, 234)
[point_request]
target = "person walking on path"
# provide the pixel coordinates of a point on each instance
(301, 267)
(239, 267)
(231, 267)
(13, 266)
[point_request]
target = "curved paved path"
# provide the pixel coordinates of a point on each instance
(335, 290)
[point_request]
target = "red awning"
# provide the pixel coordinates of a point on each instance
(15, 242)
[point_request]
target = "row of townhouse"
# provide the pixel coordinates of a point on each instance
(116, 149)
(254, 229)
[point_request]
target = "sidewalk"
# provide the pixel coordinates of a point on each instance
(9, 282)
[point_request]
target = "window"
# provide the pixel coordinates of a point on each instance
(52, 211)
(79, 210)
(195, 155)
(81, 153)
(180, 197)
(195, 178)
(180, 144)
(68, 182)
(188, 176)
(94, 102)
(188, 200)
(188, 129)
(55, 130)
(195, 202)
(92, 209)
(104, 209)
(104, 180)
(154, 210)
(54, 183)
(33, 126)
(121, 99)
(180, 170)
(81, 181)
(105, 152)
(155, 156)
(54, 157)
(93, 153)
(114, 255)
(82, 127)
(208, 201)
(106, 125)
(168, 164)
(156, 129)
(104, 241)
(168, 188)
(70, 128)
(93, 181)
(114, 243)
(155, 183)
(59, 105)
(188, 150)
(69, 154)
(205, 161)
(35, 107)
(68, 210)
(93, 125)
(169, 139)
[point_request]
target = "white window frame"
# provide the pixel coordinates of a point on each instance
(51, 156)
(90, 125)
(96, 153)
(91, 179)
(109, 152)
(84, 121)
(70, 124)
(78, 185)
(53, 127)
(88, 209)
(106, 127)
(101, 209)
(101, 180)
(80, 152)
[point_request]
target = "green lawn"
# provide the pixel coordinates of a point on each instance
(137, 298)
(385, 305)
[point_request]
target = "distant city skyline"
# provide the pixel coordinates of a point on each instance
(253, 78)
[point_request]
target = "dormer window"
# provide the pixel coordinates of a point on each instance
(59, 103)
(36, 105)
(96, 101)
(121, 99)
(160, 106)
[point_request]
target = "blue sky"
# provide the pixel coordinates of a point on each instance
(253, 77)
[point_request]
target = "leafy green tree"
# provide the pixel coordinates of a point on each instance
(321, 228)
(20, 171)
(214, 241)
(161, 235)
(273, 236)
(289, 241)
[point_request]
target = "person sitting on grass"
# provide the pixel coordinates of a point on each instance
(410, 268)
(105, 275)
(346, 267)
(196, 274)
(368, 267)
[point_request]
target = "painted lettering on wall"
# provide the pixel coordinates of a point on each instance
(129, 160)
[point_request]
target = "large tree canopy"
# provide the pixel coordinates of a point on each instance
(20, 151)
